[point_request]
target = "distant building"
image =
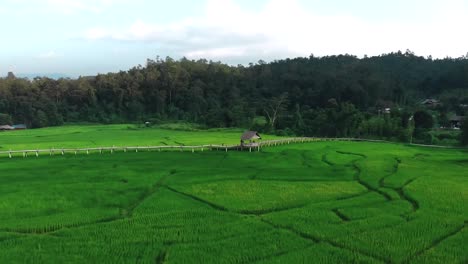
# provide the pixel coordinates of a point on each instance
(250, 136)
(431, 102)
(456, 121)
(6, 127)
(13, 127)
(20, 127)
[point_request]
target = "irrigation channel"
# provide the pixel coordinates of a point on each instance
(246, 147)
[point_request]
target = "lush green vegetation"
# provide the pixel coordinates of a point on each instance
(333, 96)
(321, 202)
(117, 135)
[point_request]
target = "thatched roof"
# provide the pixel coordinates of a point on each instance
(250, 135)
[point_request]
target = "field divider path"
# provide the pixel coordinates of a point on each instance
(127, 213)
(181, 147)
(198, 199)
(294, 231)
(316, 240)
(436, 242)
(152, 190)
(278, 254)
(253, 212)
(357, 176)
(400, 190)
(52, 230)
(298, 233)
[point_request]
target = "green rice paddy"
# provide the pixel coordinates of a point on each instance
(116, 135)
(319, 202)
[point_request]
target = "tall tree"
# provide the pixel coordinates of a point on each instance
(5, 119)
(274, 107)
(423, 119)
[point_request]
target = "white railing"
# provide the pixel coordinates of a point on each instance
(63, 151)
(254, 147)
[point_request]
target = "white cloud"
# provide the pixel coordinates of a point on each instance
(287, 28)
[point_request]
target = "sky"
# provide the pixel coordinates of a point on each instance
(86, 37)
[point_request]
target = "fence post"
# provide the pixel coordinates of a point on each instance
(9, 154)
(24, 154)
(87, 151)
(63, 152)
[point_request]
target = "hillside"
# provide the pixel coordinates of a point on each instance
(316, 96)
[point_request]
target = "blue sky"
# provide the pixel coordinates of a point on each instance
(85, 37)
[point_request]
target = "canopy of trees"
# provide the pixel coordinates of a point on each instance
(423, 119)
(315, 96)
(464, 135)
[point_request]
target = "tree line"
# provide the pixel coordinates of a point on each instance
(333, 96)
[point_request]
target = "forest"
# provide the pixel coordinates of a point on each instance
(333, 96)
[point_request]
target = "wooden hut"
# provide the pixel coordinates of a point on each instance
(249, 138)
(456, 121)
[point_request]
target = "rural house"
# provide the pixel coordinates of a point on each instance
(20, 127)
(6, 127)
(250, 136)
(387, 110)
(456, 121)
(431, 103)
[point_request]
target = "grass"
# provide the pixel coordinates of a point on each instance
(321, 202)
(75, 136)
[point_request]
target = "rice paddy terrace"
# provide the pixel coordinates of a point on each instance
(319, 202)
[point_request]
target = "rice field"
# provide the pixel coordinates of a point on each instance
(320, 202)
(75, 136)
